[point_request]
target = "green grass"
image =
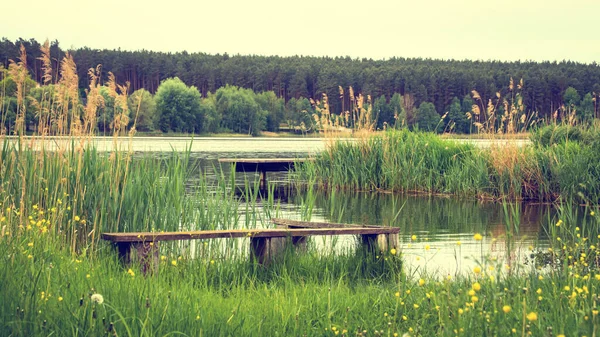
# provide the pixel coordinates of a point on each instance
(312, 293)
(404, 161)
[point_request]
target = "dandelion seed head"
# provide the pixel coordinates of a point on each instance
(97, 298)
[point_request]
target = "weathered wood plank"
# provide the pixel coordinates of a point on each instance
(239, 233)
(264, 160)
(264, 164)
(310, 224)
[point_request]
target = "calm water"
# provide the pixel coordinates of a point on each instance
(439, 223)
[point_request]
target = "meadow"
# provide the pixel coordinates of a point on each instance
(58, 278)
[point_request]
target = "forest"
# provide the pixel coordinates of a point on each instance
(199, 93)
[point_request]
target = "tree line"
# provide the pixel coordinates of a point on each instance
(261, 92)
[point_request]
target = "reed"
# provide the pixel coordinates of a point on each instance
(404, 161)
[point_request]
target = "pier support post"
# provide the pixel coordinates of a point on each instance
(265, 250)
(379, 242)
(143, 253)
(263, 181)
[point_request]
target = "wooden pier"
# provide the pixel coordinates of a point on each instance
(264, 165)
(265, 244)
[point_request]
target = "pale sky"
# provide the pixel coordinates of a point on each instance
(379, 29)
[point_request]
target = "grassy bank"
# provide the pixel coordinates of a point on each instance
(405, 161)
(49, 290)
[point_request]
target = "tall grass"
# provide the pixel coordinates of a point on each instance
(407, 161)
(315, 293)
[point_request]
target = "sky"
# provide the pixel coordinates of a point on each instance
(509, 30)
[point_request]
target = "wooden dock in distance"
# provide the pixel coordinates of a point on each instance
(264, 165)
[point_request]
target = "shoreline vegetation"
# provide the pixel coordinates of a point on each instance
(59, 279)
(562, 163)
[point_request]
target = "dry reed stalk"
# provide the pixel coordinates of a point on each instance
(66, 115)
(518, 164)
(18, 72)
(44, 106)
(514, 118)
(94, 101)
(2, 106)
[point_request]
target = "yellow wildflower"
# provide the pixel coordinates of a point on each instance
(477, 237)
(506, 309)
(532, 316)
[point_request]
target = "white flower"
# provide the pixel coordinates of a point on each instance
(97, 298)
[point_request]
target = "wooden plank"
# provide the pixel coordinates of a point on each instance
(264, 164)
(264, 160)
(310, 224)
(240, 233)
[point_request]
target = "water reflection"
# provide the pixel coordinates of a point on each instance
(437, 232)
